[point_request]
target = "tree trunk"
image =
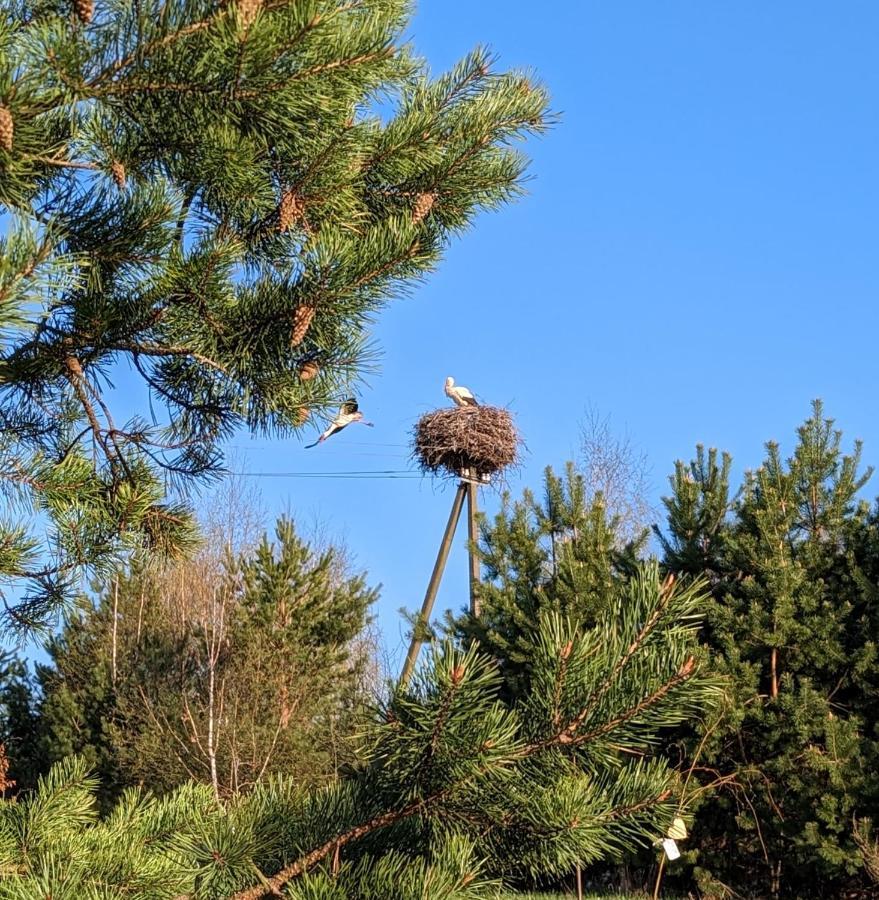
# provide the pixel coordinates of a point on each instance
(115, 625)
(212, 752)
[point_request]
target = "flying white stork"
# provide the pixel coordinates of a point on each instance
(459, 395)
(347, 414)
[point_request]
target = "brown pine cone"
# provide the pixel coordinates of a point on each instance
(309, 370)
(423, 205)
(301, 415)
(302, 317)
(289, 210)
(247, 11)
(85, 10)
(117, 170)
(7, 129)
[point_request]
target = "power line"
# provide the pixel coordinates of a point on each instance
(347, 443)
(341, 452)
(371, 473)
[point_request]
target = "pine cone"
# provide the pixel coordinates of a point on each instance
(308, 370)
(289, 210)
(7, 129)
(247, 10)
(85, 10)
(117, 170)
(302, 317)
(301, 415)
(423, 205)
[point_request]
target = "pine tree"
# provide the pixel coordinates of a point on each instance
(453, 788)
(559, 556)
(790, 625)
(697, 514)
(208, 196)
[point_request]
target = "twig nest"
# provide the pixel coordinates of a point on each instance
(479, 440)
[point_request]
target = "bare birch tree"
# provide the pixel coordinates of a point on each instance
(615, 467)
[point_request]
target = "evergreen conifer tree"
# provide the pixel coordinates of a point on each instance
(206, 198)
(454, 788)
(792, 623)
(559, 556)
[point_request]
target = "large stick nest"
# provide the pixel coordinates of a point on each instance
(477, 440)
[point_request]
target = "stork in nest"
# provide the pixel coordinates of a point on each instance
(458, 394)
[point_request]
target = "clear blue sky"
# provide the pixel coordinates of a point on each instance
(697, 258)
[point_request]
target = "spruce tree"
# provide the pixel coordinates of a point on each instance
(559, 555)
(214, 199)
(792, 623)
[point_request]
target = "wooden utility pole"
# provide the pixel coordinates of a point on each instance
(433, 585)
(472, 537)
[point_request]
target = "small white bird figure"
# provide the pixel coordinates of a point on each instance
(459, 395)
(348, 413)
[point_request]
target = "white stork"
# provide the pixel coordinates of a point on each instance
(459, 395)
(348, 413)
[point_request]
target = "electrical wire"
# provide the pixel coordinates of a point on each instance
(347, 443)
(371, 473)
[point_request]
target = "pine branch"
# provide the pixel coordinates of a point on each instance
(145, 349)
(158, 44)
(64, 163)
(274, 884)
(76, 378)
(684, 673)
(665, 598)
(145, 89)
(315, 70)
(563, 739)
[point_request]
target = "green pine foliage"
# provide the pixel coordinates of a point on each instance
(216, 199)
(452, 789)
(450, 871)
(561, 555)
(792, 563)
